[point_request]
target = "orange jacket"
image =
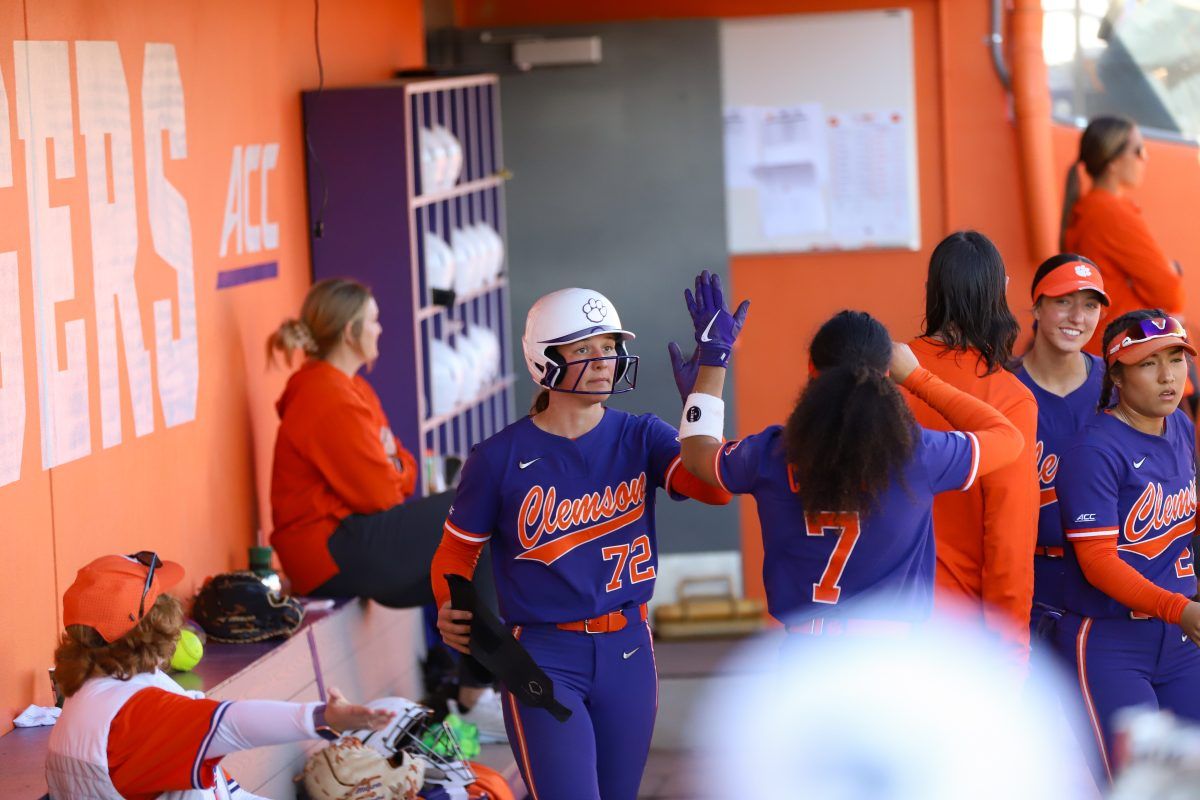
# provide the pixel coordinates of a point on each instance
(334, 456)
(985, 536)
(1111, 231)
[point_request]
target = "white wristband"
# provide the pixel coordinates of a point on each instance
(703, 415)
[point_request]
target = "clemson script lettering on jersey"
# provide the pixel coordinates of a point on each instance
(1157, 519)
(1047, 468)
(543, 515)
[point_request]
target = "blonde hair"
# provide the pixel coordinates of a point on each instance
(329, 306)
(1104, 139)
(82, 653)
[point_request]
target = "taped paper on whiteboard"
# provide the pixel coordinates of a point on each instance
(790, 200)
(741, 146)
(794, 135)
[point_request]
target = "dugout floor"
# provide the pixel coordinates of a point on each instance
(687, 672)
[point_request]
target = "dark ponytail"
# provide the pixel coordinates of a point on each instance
(1111, 331)
(851, 433)
(1104, 139)
(540, 402)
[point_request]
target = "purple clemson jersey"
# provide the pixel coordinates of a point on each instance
(814, 560)
(1059, 420)
(571, 521)
(1115, 481)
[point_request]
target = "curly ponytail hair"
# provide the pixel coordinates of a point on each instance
(1112, 331)
(851, 432)
(329, 306)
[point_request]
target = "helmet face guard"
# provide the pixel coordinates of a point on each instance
(414, 731)
(624, 376)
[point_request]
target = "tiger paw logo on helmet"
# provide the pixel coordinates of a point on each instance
(595, 310)
(1083, 271)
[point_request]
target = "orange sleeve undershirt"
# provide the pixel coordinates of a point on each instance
(153, 743)
(688, 485)
(1105, 570)
(454, 556)
(999, 440)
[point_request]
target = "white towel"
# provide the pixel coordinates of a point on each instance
(35, 716)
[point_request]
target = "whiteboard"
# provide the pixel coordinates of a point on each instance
(820, 132)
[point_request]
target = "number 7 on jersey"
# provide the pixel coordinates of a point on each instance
(846, 528)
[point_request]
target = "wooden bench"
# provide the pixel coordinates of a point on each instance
(363, 648)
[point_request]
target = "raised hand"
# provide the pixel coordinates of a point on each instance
(716, 329)
(684, 370)
(904, 361)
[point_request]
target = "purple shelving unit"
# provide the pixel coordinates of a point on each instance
(381, 200)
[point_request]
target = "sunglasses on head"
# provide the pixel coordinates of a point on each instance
(151, 561)
(1147, 329)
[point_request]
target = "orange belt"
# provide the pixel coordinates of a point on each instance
(611, 622)
(1048, 552)
(838, 627)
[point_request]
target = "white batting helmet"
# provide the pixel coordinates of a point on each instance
(572, 315)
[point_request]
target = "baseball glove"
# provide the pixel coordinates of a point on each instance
(238, 607)
(349, 770)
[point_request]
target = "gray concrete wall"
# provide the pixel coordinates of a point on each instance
(618, 186)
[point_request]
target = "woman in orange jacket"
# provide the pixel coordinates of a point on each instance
(340, 479)
(1107, 226)
(986, 535)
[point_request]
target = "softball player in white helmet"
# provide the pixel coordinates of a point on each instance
(566, 497)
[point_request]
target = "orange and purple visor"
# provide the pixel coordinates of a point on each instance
(1146, 337)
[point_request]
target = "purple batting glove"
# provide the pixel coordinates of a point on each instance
(684, 370)
(716, 329)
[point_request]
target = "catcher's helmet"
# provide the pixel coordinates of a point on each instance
(410, 732)
(572, 315)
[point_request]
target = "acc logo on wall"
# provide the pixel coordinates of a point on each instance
(46, 128)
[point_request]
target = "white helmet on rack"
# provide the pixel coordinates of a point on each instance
(572, 315)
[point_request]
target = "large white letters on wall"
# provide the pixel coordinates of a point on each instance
(12, 366)
(104, 113)
(162, 111)
(47, 129)
(44, 117)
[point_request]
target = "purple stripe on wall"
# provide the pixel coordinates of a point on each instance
(255, 272)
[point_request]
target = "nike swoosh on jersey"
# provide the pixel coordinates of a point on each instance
(1138, 464)
(524, 464)
(704, 336)
(634, 650)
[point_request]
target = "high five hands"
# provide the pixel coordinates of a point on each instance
(715, 330)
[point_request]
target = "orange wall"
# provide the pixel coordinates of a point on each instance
(196, 491)
(968, 173)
